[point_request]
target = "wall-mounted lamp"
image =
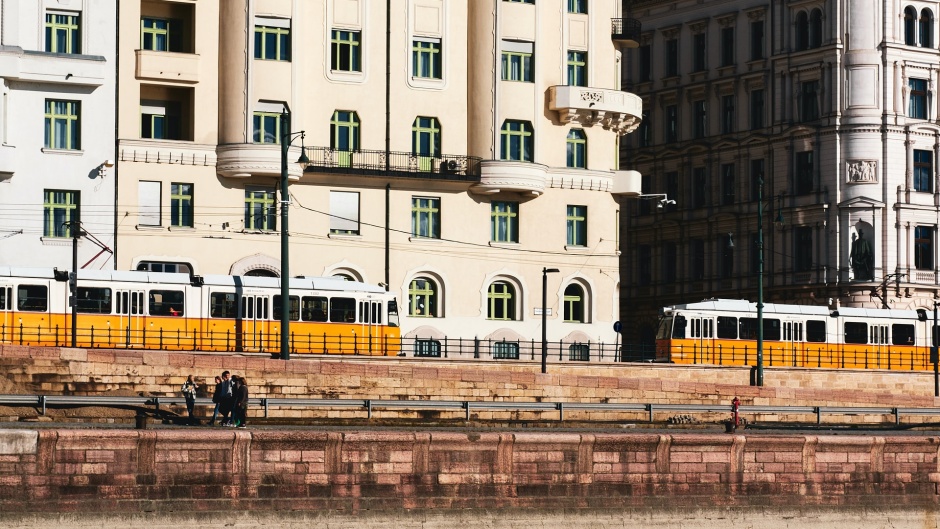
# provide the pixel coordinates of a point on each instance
(104, 165)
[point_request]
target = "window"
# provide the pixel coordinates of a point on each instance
(802, 31)
(816, 331)
(517, 61)
(727, 184)
(166, 302)
(426, 217)
(577, 225)
(815, 29)
(422, 298)
(672, 57)
(148, 203)
(576, 145)
(646, 187)
(504, 222)
(670, 254)
(755, 253)
(314, 308)
(428, 348)
(60, 210)
(579, 352)
(577, 6)
(426, 58)
(344, 136)
(160, 120)
(223, 305)
(272, 43)
(345, 51)
(574, 304)
(923, 247)
(343, 310)
(697, 259)
(925, 28)
(699, 187)
(902, 334)
(698, 52)
(426, 140)
(698, 118)
(344, 212)
(154, 34)
(260, 210)
(181, 205)
(62, 125)
(809, 101)
(577, 68)
(757, 175)
(727, 114)
(856, 332)
(644, 264)
(757, 109)
(803, 242)
(293, 308)
(804, 173)
(917, 108)
(923, 170)
(501, 303)
(62, 33)
(910, 15)
(517, 141)
(93, 300)
(644, 133)
(646, 63)
(672, 124)
(672, 189)
(163, 266)
(727, 46)
(32, 298)
(747, 328)
(506, 350)
(757, 40)
(267, 127)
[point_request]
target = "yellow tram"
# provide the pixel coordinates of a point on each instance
(167, 311)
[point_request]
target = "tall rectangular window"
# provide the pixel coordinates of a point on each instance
(576, 146)
(699, 119)
(923, 170)
(757, 109)
(646, 188)
(809, 101)
(426, 58)
(644, 264)
(698, 52)
(260, 210)
(672, 57)
(727, 184)
(697, 259)
(148, 203)
(672, 124)
(516, 141)
(757, 40)
(917, 108)
(923, 247)
(577, 6)
(63, 33)
(804, 173)
(577, 68)
(699, 187)
(672, 189)
(727, 114)
(504, 222)
(645, 53)
(345, 51)
(426, 217)
(644, 132)
(757, 176)
(344, 213)
(803, 241)
(154, 34)
(181, 205)
(160, 120)
(727, 46)
(516, 61)
(266, 127)
(60, 209)
(726, 268)
(577, 226)
(670, 259)
(62, 125)
(272, 43)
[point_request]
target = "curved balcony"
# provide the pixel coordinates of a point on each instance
(243, 160)
(626, 31)
(612, 109)
(498, 176)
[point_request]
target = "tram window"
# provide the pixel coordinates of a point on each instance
(32, 298)
(294, 308)
(815, 331)
(313, 308)
(727, 327)
(678, 326)
(343, 310)
(902, 334)
(856, 332)
(166, 302)
(160, 266)
(665, 327)
(223, 305)
(771, 329)
(94, 300)
(393, 313)
(748, 329)
(6, 293)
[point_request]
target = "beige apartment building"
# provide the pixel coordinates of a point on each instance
(457, 148)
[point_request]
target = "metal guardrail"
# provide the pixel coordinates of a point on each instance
(370, 405)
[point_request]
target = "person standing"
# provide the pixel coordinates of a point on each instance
(227, 400)
(189, 393)
(217, 398)
(241, 403)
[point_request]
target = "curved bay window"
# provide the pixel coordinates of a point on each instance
(422, 298)
(501, 301)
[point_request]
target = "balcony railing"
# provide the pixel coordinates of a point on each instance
(400, 164)
(626, 31)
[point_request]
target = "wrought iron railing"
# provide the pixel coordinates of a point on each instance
(625, 29)
(391, 163)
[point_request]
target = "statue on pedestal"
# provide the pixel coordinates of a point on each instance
(862, 259)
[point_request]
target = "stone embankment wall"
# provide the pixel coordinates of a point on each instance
(200, 470)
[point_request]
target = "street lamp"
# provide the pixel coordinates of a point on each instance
(759, 375)
(75, 230)
(286, 139)
(545, 272)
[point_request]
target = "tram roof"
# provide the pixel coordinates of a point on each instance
(743, 305)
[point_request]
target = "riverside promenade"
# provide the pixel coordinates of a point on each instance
(350, 476)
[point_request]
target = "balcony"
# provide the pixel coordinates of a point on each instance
(611, 109)
(626, 32)
(56, 68)
(7, 161)
(243, 160)
(167, 66)
(498, 176)
(394, 164)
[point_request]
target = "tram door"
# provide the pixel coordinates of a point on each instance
(703, 334)
(793, 353)
(254, 317)
(130, 310)
(6, 313)
(878, 345)
(370, 320)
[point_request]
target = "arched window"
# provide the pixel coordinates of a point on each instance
(802, 31)
(422, 298)
(925, 28)
(910, 16)
(815, 29)
(344, 277)
(577, 149)
(501, 301)
(426, 137)
(574, 304)
(516, 140)
(344, 135)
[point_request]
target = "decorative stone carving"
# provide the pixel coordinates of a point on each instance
(861, 172)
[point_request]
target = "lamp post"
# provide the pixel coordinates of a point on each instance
(934, 356)
(75, 230)
(286, 139)
(545, 272)
(759, 375)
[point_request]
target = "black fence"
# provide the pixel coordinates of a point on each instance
(402, 164)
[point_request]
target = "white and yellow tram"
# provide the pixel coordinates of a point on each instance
(151, 310)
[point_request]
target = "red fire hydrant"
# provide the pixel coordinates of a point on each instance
(735, 419)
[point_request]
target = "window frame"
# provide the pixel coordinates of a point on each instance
(58, 215)
(426, 58)
(517, 136)
(574, 304)
(576, 149)
(504, 221)
(72, 27)
(924, 247)
(261, 120)
(181, 205)
(501, 302)
(426, 209)
(264, 220)
(517, 66)
(345, 50)
(155, 33)
(577, 67)
(577, 7)
(72, 121)
(923, 170)
(282, 43)
(428, 293)
(918, 104)
(576, 218)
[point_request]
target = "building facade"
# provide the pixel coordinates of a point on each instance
(456, 149)
(57, 63)
(808, 128)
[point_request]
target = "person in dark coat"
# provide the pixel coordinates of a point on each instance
(227, 400)
(189, 393)
(241, 402)
(217, 399)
